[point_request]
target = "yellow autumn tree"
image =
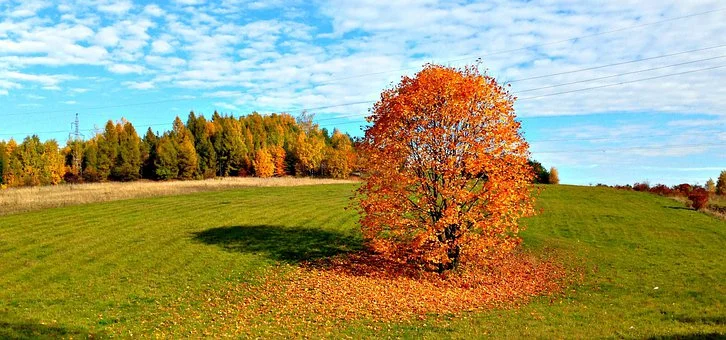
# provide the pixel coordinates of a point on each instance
(263, 165)
(309, 151)
(278, 158)
(554, 176)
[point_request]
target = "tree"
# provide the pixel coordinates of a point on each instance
(186, 153)
(541, 175)
(309, 152)
(710, 186)
(107, 150)
(339, 157)
(263, 165)
(128, 160)
(554, 176)
(278, 158)
(3, 162)
(206, 156)
(447, 173)
(229, 145)
(167, 163)
(148, 154)
(54, 162)
(90, 161)
(721, 183)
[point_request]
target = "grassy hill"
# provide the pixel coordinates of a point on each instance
(652, 268)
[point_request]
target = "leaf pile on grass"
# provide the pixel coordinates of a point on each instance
(370, 288)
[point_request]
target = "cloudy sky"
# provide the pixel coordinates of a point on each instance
(615, 93)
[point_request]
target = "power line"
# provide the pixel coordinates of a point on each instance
(620, 74)
(534, 46)
(559, 93)
(557, 85)
(100, 107)
(621, 83)
(660, 147)
(614, 64)
(449, 61)
(520, 99)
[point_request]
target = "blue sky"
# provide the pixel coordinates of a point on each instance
(149, 62)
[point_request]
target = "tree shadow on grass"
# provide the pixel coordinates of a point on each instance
(33, 330)
(707, 320)
(283, 243)
(678, 208)
(691, 336)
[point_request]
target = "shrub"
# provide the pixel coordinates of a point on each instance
(682, 189)
(641, 186)
(661, 189)
(72, 178)
(554, 176)
(698, 198)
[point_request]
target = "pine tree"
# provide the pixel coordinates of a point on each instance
(128, 160)
(90, 161)
(107, 151)
(229, 146)
(186, 153)
(148, 154)
(207, 158)
(166, 163)
(3, 162)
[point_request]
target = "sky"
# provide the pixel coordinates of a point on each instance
(613, 93)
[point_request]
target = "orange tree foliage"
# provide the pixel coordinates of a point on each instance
(278, 158)
(263, 164)
(554, 176)
(447, 172)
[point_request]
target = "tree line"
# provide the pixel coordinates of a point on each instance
(252, 145)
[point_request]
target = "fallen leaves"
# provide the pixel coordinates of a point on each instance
(317, 296)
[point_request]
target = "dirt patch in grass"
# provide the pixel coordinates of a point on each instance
(316, 296)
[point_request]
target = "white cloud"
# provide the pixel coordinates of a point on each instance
(161, 47)
(107, 37)
(144, 85)
(226, 106)
(189, 2)
(117, 7)
(224, 94)
(69, 102)
(126, 68)
(154, 10)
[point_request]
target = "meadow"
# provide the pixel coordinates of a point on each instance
(169, 266)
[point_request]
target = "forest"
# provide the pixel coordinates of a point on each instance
(251, 145)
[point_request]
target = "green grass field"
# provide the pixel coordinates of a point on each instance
(652, 269)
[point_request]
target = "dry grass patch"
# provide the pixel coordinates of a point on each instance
(34, 198)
